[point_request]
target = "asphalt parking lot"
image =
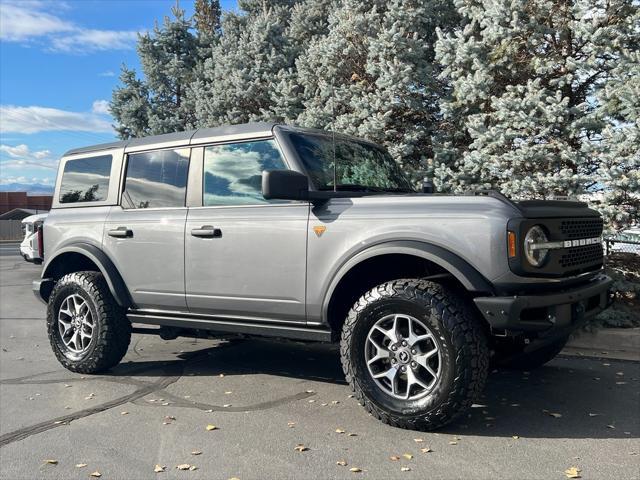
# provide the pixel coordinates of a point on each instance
(265, 398)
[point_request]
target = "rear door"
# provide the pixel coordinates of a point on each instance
(144, 235)
(245, 257)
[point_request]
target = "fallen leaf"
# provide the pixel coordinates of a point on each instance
(95, 474)
(300, 448)
(611, 426)
(515, 437)
(342, 463)
(351, 434)
(124, 413)
(291, 424)
(234, 478)
(573, 472)
(394, 458)
(229, 392)
(324, 404)
(227, 405)
(221, 375)
(408, 456)
(311, 401)
(418, 440)
(81, 465)
(183, 466)
(426, 450)
(554, 415)
(196, 452)
(350, 396)
(159, 468)
(339, 430)
(355, 469)
(453, 442)
(309, 391)
(335, 402)
(66, 385)
(211, 427)
(594, 414)
(51, 462)
(192, 468)
(405, 469)
(165, 404)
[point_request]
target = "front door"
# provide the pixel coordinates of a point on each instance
(245, 257)
(144, 235)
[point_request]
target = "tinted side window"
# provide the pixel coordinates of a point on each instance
(85, 180)
(233, 172)
(156, 179)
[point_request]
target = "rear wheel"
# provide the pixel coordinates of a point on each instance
(88, 331)
(414, 353)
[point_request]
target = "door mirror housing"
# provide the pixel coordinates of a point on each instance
(285, 185)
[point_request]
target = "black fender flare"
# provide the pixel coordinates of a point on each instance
(113, 278)
(460, 269)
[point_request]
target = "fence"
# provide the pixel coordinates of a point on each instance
(11, 230)
(613, 246)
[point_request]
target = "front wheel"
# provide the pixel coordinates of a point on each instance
(414, 353)
(88, 331)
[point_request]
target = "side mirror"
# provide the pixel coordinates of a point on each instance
(285, 185)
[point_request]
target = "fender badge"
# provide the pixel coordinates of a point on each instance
(320, 229)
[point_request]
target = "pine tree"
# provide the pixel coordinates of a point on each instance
(525, 113)
(373, 75)
(168, 56)
(130, 106)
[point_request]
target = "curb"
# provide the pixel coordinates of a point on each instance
(617, 343)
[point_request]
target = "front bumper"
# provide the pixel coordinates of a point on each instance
(564, 310)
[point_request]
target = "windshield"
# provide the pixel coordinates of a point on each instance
(362, 166)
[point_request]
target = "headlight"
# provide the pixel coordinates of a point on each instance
(534, 246)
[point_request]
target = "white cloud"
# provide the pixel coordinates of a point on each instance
(41, 119)
(83, 40)
(101, 107)
(25, 20)
(108, 73)
(21, 156)
(29, 21)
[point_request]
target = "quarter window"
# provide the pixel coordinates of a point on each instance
(233, 172)
(156, 179)
(85, 180)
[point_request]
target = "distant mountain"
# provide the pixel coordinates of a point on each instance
(30, 188)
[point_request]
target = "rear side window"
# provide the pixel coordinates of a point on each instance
(233, 172)
(85, 180)
(156, 179)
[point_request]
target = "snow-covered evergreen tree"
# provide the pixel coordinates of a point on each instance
(537, 93)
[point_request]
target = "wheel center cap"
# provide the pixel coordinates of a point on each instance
(403, 356)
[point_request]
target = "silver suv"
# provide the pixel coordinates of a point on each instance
(276, 231)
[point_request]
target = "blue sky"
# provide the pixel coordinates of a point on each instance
(59, 62)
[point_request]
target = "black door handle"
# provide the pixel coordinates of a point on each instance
(120, 232)
(206, 231)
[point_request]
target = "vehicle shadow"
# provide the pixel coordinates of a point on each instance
(569, 398)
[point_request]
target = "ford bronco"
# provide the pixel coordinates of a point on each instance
(271, 230)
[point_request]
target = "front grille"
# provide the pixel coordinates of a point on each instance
(584, 255)
(581, 228)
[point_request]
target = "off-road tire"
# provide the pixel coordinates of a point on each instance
(465, 354)
(111, 340)
(531, 360)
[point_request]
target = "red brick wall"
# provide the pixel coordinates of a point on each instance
(11, 200)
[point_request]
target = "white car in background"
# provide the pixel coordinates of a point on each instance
(29, 248)
(626, 241)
